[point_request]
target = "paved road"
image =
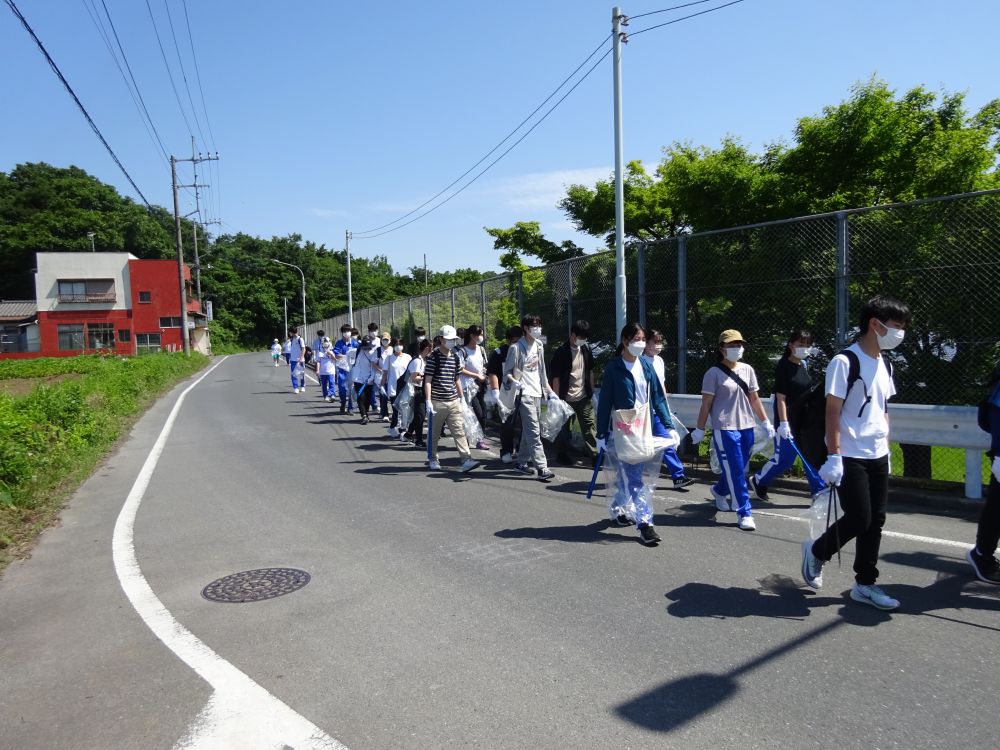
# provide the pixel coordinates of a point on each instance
(486, 610)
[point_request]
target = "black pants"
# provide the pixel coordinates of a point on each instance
(988, 533)
(416, 430)
(508, 429)
(864, 492)
(479, 408)
(383, 402)
(362, 398)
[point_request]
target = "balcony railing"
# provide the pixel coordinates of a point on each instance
(88, 297)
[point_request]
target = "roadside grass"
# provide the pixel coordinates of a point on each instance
(53, 436)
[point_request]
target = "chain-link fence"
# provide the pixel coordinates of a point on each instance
(941, 256)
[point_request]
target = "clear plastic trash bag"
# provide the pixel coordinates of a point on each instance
(555, 414)
(763, 444)
(473, 430)
(299, 370)
(629, 488)
(823, 513)
(404, 407)
(682, 430)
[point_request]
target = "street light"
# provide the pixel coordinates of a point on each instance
(292, 265)
(91, 235)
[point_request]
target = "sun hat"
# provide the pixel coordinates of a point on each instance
(729, 335)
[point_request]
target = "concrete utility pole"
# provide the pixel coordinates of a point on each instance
(617, 21)
(286, 316)
(180, 247)
(292, 265)
(350, 298)
(197, 210)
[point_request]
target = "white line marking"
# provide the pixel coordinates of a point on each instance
(240, 713)
(885, 532)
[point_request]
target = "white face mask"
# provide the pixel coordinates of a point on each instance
(398, 349)
(480, 339)
(535, 332)
(658, 348)
(421, 338)
(581, 342)
(636, 348)
(802, 351)
(893, 337)
(327, 345)
(734, 353)
(385, 342)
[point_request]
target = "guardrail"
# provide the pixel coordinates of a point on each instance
(914, 424)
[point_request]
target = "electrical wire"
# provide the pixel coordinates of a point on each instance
(55, 68)
(667, 10)
(492, 150)
(682, 18)
(180, 64)
(509, 149)
(170, 74)
(197, 74)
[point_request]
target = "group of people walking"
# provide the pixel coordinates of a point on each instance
(627, 426)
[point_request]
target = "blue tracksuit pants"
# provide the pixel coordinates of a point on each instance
(343, 378)
(670, 457)
(733, 449)
(326, 383)
(631, 490)
(784, 456)
(298, 382)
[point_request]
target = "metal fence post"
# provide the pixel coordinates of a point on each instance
(520, 295)
(843, 260)
(453, 306)
(482, 307)
(569, 297)
(682, 306)
(409, 318)
(640, 277)
(430, 325)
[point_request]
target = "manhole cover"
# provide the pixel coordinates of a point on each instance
(256, 585)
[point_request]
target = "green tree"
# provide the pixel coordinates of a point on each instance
(525, 238)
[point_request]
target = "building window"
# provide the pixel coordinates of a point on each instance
(124, 335)
(145, 297)
(170, 322)
(86, 290)
(147, 343)
(100, 335)
(70, 338)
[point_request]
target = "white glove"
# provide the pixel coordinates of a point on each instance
(996, 468)
(784, 430)
(833, 470)
(697, 435)
(553, 397)
(770, 429)
(515, 384)
(602, 445)
(492, 396)
(430, 409)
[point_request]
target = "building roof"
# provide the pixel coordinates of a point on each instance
(18, 309)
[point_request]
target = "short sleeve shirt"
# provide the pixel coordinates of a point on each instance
(864, 428)
(731, 407)
(794, 382)
(639, 376)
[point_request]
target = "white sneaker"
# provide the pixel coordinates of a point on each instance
(386, 419)
(393, 432)
(507, 458)
(295, 390)
(812, 569)
(721, 501)
(468, 465)
(747, 523)
(434, 466)
(873, 596)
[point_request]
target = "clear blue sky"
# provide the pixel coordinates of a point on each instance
(327, 118)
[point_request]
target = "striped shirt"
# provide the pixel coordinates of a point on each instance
(443, 369)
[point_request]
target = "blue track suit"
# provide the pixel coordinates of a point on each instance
(733, 449)
(343, 376)
(784, 456)
(670, 457)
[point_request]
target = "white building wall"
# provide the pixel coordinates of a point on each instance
(55, 267)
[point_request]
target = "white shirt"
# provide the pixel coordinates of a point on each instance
(639, 375)
(473, 363)
(275, 348)
(867, 435)
(296, 348)
(326, 362)
(416, 367)
(364, 368)
(658, 367)
(396, 365)
(531, 385)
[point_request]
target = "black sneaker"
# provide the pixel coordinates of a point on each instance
(544, 475)
(682, 482)
(622, 520)
(987, 568)
(343, 409)
(420, 444)
(648, 535)
(364, 420)
(759, 491)
(523, 469)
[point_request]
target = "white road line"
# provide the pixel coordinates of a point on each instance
(885, 532)
(240, 713)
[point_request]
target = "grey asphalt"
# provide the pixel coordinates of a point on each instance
(483, 610)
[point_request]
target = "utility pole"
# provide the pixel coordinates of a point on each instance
(425, 273)
(617, 37)
(197, 210)
(180, 245)
(286, 316)
(350, 299)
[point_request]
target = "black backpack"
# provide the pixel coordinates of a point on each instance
(811, 424)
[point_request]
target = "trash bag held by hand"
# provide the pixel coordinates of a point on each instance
(299, 369)
(404, 407)
(713, 459)
(629, 487)
(473, 431)
(823, 513)
(555, 414)
(763, 443)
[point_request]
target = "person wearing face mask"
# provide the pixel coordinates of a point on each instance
(395, 368)
(442, 397)
(415, 374)
(630, 381)
(363, 375)
(326, 367)
(380, 375)
(494, 372)
(420, 335)
(792, 386)
(857, 438)
(729, 396)
(344, 352)
(675, 467)
(473, 358)
(572, 371)
(525, 371)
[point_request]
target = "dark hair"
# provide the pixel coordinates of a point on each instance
(471, 334)
(460, 334)
(320, 333)
(438, 341)
(628, 333)
(798, 333)
(345, 327)
(355, 331)
(373, 326)
(425, 344)
(395, 342)
(530, 320)
(474, 329)
(883, 307)
(419, 331)
(652, 335)
(580, 328)
(293, 331)
(514, 332)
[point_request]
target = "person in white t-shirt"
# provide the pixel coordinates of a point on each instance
(326, 367)
(415, 374)
(363, 375)
(525, 370)
(297, 360)
(393, 368)
(276, 352)
(857, 438)
(473, 374)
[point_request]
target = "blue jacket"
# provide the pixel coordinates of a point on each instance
(618, 392)
(343, 347)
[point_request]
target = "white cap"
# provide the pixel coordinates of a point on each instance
(448, 332)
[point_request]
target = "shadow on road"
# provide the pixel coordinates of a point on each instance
(592, 533)
(778, 597)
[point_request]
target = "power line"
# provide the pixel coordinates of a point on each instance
(492, 150)
(180, 64)
(55, 68)
(509, 149)
(667, 10)
(170, 75)
(197, 74)
(683, 18)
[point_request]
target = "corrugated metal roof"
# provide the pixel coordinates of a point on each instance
(18, 309)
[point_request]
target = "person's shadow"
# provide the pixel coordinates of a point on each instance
(778, 596)
(592, 533)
